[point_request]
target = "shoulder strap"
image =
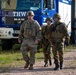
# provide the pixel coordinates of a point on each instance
(44, 30)
(54, 27)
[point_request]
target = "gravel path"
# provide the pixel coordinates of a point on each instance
(69, 67)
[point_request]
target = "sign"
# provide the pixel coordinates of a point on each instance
(19, 14)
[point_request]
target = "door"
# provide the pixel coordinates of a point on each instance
(49, 9)
(65, 12)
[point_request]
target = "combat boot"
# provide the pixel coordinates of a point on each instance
(46, 64)
(56, 67)
(61, 65)
(31, 67)
(50, 62)
(26, 65)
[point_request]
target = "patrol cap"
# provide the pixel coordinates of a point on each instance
(30, 13)
(57, 16)
(48, 19)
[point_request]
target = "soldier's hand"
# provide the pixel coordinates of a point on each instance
(67, 41)
(36, 42)
(19, 41)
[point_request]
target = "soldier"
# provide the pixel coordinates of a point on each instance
(30, 31)
(46, 47)
(57, 35)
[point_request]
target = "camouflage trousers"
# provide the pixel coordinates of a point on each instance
(47, 52)
(31, 47)
(57, 50)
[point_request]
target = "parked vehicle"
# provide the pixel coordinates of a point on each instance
(13, 13)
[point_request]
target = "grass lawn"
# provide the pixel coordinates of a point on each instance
(13, 58)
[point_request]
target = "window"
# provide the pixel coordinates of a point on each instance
(0, 4)
(28, 5)
(3, 4)
(49, 4)
(45, 4)
(8, 2)
(21, 4)
(52, 4)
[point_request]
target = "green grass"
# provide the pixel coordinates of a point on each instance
(70, 48)
(9, 59)
(14, 58)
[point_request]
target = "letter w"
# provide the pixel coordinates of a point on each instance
(23, 13)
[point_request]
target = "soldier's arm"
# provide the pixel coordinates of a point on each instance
(42, 30)
(67, 37)
(42, 34)
(38, 31)
(21, 31)
(50, 32)
(65, 31)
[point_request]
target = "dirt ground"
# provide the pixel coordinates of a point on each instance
(69, 67)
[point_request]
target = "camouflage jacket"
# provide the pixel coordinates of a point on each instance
(45, 34)
(58, 32)
(30, 30)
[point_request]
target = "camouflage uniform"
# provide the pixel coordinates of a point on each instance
(30, 32)
(58, 34)
(46, 45)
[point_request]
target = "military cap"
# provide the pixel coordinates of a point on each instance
(57, 16)
(30, 13)
(48, 19)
